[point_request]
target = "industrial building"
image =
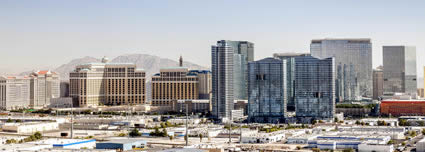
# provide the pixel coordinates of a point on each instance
(68, 143)
(375, 148)
(30, 127)
(122, 144)
(264, 137)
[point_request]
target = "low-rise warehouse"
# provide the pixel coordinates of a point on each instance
(122, 144)
(30, 127)
(375, 148)
(264, 137)
(69, 143)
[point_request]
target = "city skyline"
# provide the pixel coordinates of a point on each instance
(139, 27)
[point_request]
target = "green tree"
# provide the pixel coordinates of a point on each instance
(9, 120)
(38, 135)
(164, 132)
(134, 133)
(168, 124)
(122, 135)
(357, 122)
(336, 120)
(390, 142)
(163, 125)
(171, 138)
(348, 150)
(403, 143)
(315, 149)
(200, 137)
(423, 131)
(18, 120)
(298, 147)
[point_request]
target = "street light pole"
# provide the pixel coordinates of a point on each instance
(187, 117)
(72, 120)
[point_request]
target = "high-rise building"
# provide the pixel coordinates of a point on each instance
(378, 82)
(171, 84)
(267, 90)
(14, 92)
(229, 74)
(45, 85)
(399, 69)
(314, 87)
(105, 83)
(290, 75)
(353, 64)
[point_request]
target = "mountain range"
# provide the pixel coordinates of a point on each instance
(150, 63)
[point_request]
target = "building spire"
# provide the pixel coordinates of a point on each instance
(181, 61)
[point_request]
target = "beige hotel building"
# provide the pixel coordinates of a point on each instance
(173, 84)
(105, 83)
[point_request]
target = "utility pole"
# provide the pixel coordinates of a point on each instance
(230, 130)
(187, 117)
(240, 133)
(72, 120)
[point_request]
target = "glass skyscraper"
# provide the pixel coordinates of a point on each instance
(353, 63)
(267, 91)
(229, 75)
(399, 69)
(290, 75)
(314, 87)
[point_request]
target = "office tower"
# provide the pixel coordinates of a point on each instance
(378, 82)
(290, 75)
(44, 86)
(353, 64)
(267, 90)
(399, 69)
(14, 93)
(229, 74)
(105, 83)
(314, 87)
(172, 84)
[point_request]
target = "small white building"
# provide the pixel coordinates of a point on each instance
(375, 148)
(264, 137)
(30, 127)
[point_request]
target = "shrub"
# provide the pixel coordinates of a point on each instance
(135, 133)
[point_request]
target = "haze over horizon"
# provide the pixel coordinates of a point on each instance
(46, 34)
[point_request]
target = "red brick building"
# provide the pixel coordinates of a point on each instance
(403, 107)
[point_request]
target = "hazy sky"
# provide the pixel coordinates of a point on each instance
(41, 34)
